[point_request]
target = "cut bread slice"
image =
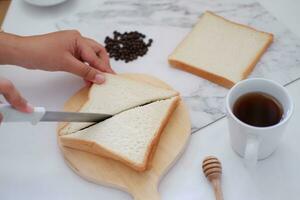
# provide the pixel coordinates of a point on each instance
(129, 137)
(219, 50)
(118, 94)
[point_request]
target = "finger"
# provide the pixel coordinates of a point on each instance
(99, 49)
(88, 83)
(87, 54)
(85, 71)
(102, 53)
(12, 95)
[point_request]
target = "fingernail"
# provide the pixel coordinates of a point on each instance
(99, 79)
(29, 108)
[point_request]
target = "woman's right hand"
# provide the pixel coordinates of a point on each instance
(13, 97)
(66, 51)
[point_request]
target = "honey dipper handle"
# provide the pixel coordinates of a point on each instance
(217, 189)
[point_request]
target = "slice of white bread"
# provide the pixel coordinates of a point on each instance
(219, 50)
(130, 137)
(116, 95)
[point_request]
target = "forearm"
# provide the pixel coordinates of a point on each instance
(10, 49)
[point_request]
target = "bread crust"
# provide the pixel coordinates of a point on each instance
(223, 81)
(202, 73)
(153, 146)
(93, 147)
(239, 24)
(250, 68)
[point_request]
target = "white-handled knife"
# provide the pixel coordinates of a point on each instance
(40, 114)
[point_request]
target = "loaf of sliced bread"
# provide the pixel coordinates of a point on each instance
(129, 137)
(118, 94)
(219, 50)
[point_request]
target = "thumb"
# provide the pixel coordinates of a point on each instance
(85, 71)
(13, 96)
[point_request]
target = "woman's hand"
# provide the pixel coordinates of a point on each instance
(12, 95)
(66, 51)
(61, 51)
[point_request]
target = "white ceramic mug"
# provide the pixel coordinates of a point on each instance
(256, 143)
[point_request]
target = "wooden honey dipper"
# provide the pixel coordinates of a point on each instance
(212, 169)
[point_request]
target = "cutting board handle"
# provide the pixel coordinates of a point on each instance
(147, 194)
(146, 190)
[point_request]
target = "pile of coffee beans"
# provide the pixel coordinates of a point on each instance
(127, 46)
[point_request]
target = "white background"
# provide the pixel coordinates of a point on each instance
(31, 166)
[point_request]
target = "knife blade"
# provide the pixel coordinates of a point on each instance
(10, 114)
(56, 116)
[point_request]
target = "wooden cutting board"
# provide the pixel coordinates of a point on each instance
(104, 171)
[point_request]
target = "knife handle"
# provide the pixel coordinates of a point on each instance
(10, 114)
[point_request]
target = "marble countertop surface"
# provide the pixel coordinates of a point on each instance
(167, 22)
(32, 166)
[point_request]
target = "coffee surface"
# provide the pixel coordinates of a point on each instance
(258, 109)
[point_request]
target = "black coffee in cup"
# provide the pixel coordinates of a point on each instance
(258, 109)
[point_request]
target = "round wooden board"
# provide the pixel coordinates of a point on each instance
(104, 171)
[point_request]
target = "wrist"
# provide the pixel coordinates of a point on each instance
(10, 48)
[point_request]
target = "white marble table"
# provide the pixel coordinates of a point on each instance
(33, 168)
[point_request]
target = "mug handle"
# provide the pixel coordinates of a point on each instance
(251, 151)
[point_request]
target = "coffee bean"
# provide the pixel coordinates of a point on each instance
(127, 46)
